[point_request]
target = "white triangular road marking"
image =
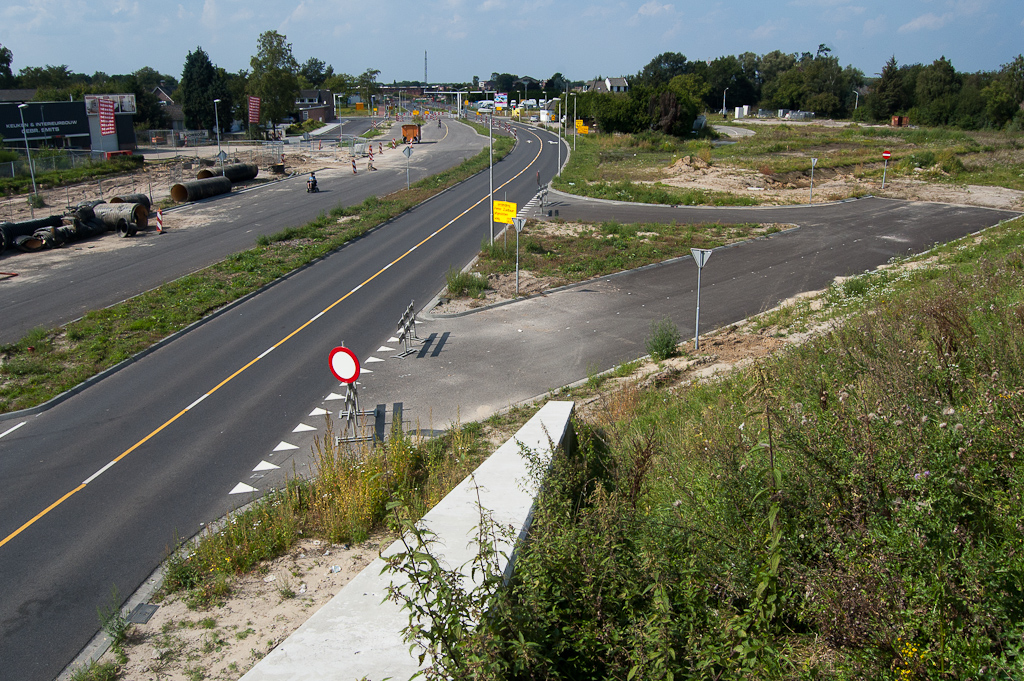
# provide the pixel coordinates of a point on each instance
(303, 428)
(284, 447)
(318, 412)
(373, 359)
(264, 466)
(385, 348)
(334, 396)
(394, 340)
(242, 488)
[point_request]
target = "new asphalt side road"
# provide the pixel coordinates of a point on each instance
(477, 363)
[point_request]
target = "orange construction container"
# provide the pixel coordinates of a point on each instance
(410, 133)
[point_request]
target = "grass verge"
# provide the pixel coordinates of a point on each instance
(343, 501)
(847, 509)
(46, 362)
(587, 250)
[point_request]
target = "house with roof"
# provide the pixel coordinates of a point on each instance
(317, 105)
(18, 96)
(608, 85)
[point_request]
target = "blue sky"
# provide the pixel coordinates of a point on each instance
(580, 39)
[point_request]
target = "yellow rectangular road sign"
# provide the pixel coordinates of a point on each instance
(504, 211)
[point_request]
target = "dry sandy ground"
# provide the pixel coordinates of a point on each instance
(225, 641)
(829, 185)
(159, 178)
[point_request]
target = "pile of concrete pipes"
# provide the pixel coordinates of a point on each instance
(209, 182)
(124, 215)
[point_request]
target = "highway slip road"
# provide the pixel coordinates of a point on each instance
(474, 364)
(98, 488)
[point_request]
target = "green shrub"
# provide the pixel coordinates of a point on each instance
(461, 283)
(663, 339)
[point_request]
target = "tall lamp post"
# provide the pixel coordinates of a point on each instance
(490, 173)
(558, 132)
(856, 102)
(574, 125)
(24, 135)
(724, 115)
(216, 118)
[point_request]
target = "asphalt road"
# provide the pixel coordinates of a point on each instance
(190, 421)
(473, 365)
(100, 486)
(52, 295)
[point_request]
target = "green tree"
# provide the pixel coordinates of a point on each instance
(6, 76)
(149, 79)
(44, 77)
(342, 84)
(274, 77)
(237, 84)
(315, 72)
(888, 95)
(815, 83)
(662, 69)
(505, 82)
(367, 85)
(556, 83)
(199, 87)
(727, 72)
(936, 91)
(149, 114)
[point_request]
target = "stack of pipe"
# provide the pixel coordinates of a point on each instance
(88, 218)
(236, 172)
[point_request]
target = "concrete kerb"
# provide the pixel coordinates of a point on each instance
(358, 634)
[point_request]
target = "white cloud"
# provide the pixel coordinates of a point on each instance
(489, 5)
(769, 29)
(653, 8)
(926, 22)
(125, 7)
(210, 17)
(876, 26)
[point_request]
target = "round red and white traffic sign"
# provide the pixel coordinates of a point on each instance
(886, 154)
(344, 364)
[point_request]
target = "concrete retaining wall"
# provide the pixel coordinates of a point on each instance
(357, 634)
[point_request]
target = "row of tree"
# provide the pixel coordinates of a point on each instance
(671, 91)
(275, 76)
(667, 94)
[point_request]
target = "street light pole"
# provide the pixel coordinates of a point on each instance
(490, 149)
(724, 114)
(856, 102)
(216, 118)
(558, 136)
(574, 125)
(24, 135)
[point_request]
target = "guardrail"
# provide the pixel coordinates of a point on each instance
(358, 634)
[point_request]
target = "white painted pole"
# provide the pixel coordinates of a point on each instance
(490, 149)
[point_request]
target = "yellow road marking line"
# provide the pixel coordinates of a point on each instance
(251, 362)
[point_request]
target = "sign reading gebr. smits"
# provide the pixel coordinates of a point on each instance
(886, 154)
(504, 212)
(344, 364)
